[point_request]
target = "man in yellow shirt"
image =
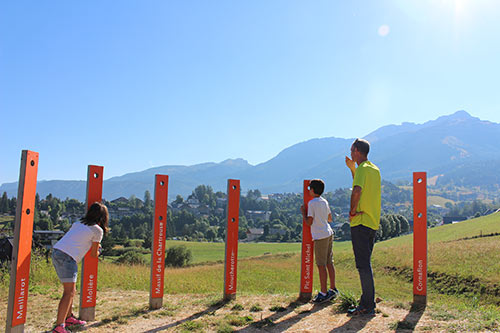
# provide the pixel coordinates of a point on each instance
(365, 219)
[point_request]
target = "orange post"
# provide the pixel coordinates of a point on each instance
(158, 243)
(23, 234)
(420, 238)
(231, 256)
(88, 286)
(306, 271)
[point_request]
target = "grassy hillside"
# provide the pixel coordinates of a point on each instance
(438, 200)
(452, 249)
(463, 273)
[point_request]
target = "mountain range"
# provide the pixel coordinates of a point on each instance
(451, 146)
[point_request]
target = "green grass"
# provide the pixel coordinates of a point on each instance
(452, 259)
(448, 252)
(7, 218)
(212, 252)
(437, 200)
(205, 252)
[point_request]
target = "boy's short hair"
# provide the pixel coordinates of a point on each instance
(317, 185)
(362, 145)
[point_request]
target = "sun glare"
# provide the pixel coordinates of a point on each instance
(383, 30)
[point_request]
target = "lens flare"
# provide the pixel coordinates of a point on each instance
(383, 30)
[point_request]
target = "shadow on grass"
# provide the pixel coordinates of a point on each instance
(354, 324)
(270, 321)
(412, 318)
(121, 319)
(195, 316)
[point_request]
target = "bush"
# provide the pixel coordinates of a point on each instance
(115, 252)
(133, 243)
(178, 256)
(347, 301)
(131, 258)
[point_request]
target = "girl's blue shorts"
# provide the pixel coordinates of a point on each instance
(66, 267)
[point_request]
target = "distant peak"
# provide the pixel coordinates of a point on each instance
(235, 161)
(461, 114)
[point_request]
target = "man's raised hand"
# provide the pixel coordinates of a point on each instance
(350, 164)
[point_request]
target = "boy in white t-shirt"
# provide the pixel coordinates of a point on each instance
(318, 215)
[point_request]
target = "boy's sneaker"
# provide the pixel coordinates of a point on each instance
(73, 321)
(321, 298)
(332, 293)
(60, 329)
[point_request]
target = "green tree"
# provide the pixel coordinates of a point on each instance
(148, 203)
(211, 234)
(405, 225)
(12, 205)
(178, 199)
(266, 230)
(4, 203)
(37, 201)
(108, 243)
(385, 226)
(54, 213)
(397, 225)
(64, 225)
(74, 206)
(45, 223)
(242, 233)
(379, 234)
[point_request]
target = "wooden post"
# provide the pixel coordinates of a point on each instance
(306, 271)
(420, 238)
(158, 243)
(88, 286)
(17, 305)
(231, 256)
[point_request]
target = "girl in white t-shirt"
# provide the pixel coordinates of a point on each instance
(68, 252)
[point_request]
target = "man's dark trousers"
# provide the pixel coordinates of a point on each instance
(363, 239)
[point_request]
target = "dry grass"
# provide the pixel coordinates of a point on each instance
(122, 290)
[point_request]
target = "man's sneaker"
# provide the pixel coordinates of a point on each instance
(73, 321)
(332, 293)
(60, 329)
(360, 312)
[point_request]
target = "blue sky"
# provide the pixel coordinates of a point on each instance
(135, 84)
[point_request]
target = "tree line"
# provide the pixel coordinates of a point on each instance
(279, 219)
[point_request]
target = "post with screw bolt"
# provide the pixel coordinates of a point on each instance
(231, 256)
(88, 286)
(420, 238)
(306, 269)
(158, 244)
(23, 235)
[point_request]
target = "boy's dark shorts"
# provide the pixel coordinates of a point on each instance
(323, 251)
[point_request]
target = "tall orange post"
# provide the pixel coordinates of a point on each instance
(158, 243)
(88, 286)
(21, 253)
(420, 238)
(306, 271)
(231, 256)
